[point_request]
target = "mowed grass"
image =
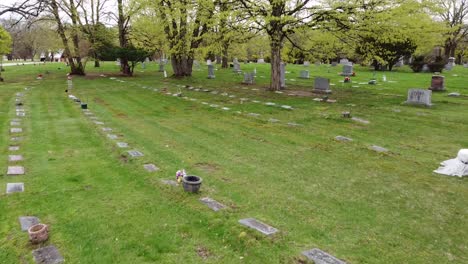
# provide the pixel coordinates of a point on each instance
(359, 205)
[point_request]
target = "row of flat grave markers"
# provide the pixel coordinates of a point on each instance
(16, 132)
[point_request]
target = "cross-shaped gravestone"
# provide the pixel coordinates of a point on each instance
(15, 170)
(47, 255)
(27, 221)
(15, 187)
(259, 226)
(150, 167)
(214, 205)
(135, 153)
(321, 257)
(15, 157)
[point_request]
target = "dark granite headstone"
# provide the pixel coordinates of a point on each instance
(437, 83)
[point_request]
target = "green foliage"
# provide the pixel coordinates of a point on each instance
(5, 41)
(418, 63)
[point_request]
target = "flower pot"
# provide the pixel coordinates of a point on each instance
(84, 106)
(191, 183)
(38, 233)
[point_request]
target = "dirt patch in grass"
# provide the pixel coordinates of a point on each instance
(300, 93)
(207, 167)
(203, 252)
(121, 115)
(123, 158)
(100, 101)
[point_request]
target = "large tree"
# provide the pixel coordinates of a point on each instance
(281, 18)
(185, 24)
(455, 15)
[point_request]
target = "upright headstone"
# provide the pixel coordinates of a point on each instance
(465, 65)
(344, 61)
(317, 63)
(283, 75)
(322, 85)
(306, 63)
(117, 62)
(400, 62)
(208, 62)
(451, 61)
(197, 65)
(334, 64)
(419, 97)
(261, 61)
(347, 70)
(249, 78)
(425, 68)
(211, 74)
(237, 67)
(437, 83)
(161, 66)
(304, 74)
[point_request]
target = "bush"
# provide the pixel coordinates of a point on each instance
(418, 63)
(437, 64)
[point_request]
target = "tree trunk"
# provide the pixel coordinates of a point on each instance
(450, 48)
(275, 45)
(225, 63)
(182, 65)
(123, 41)
(97, 63)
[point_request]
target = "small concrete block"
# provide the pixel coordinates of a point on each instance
(378, 149)
(341, 138)
(15, 170)
(112, 136)
(13, 148)
(259, 226)
(214, 205)
(15, 187)
(16, 130)
(15, 157)
(47, 255)
(135, 153)
(122, 144)
(150, 167)
(321, 257)
(169, 182)
(15, 123)
(27, 221)
(98, 123)
(106, 129)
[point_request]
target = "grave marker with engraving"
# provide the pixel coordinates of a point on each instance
(211, 74)
(259, 226)
(419, 97)
(304, 74)
(437, 83)
(322, 85)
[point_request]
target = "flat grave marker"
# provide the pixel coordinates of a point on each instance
(378, 149)
(122, 144)
(15, 123)
(360, 120)
(15, 170)
(98, 123)
(13, 148)
(16, 130)
(47, 255)
(106, 129)
(214, 205)
(169, 182)
(150, 167)
(13, 187)
(321, 257)
(259, 226)
(135, 153)
(342, 138)
(27, 221)
(15, 157)
(112, 136)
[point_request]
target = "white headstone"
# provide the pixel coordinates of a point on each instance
(419, 97)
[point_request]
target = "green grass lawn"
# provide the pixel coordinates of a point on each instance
(359, 205)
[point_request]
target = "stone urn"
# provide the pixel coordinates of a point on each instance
(38, 233)
(191, 183)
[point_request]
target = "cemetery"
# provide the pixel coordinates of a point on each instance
(243, 158)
